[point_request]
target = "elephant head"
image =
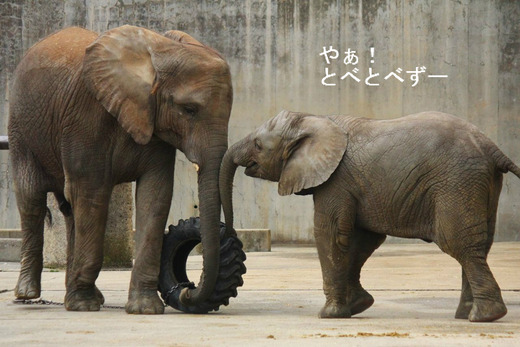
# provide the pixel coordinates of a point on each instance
(300, 151)
(170, 88)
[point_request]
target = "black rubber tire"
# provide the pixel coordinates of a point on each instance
(177, 245)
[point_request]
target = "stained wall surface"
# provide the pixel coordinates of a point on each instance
(273, 48)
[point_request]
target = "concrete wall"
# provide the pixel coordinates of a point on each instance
(273, 49)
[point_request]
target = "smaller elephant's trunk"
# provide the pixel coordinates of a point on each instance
(226, 177)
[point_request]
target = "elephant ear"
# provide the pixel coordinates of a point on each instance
(182, 37)
(119, 71)
(312, 155)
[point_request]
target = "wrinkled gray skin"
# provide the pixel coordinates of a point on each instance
(91, 111)
(430, 176)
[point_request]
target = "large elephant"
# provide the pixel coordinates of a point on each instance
(430, 176)
(90, 111)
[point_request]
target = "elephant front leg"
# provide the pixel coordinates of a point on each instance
(69, 224)
(361, 244)
(85, 236)
(153, 200)
(334, 267)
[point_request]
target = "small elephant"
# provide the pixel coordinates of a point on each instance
(90, 111)
(430, 176)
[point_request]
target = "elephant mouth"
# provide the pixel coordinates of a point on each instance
(251, 168)
(192, 159)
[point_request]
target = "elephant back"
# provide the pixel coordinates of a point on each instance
(64, 49)
(44, 84)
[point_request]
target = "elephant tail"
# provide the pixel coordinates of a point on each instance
(513, 168)
(503, 162)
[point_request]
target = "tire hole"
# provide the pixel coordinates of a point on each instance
(182, 263)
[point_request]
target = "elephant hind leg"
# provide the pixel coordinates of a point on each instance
(31, 187)
(466, 299)
(32, 215)
(32, 205)
(488, 304)
(481, 299)
(66, 210)
(467, 303)
(466, 295)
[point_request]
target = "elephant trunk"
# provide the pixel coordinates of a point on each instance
(209, 201)
(227, 174)
(232, 159)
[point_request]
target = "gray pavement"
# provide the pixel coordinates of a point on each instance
(416, 288)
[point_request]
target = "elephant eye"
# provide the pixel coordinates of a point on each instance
(170, 100)
(190, 109)
(258, 145)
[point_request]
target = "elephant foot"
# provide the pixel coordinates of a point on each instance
(144, 302)
(360, 302)
(88, 299)
(27, 287)
(464, 309)
(99, 295)
(487, 311)
(333, 310)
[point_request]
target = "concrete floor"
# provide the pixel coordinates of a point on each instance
(416, 288)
